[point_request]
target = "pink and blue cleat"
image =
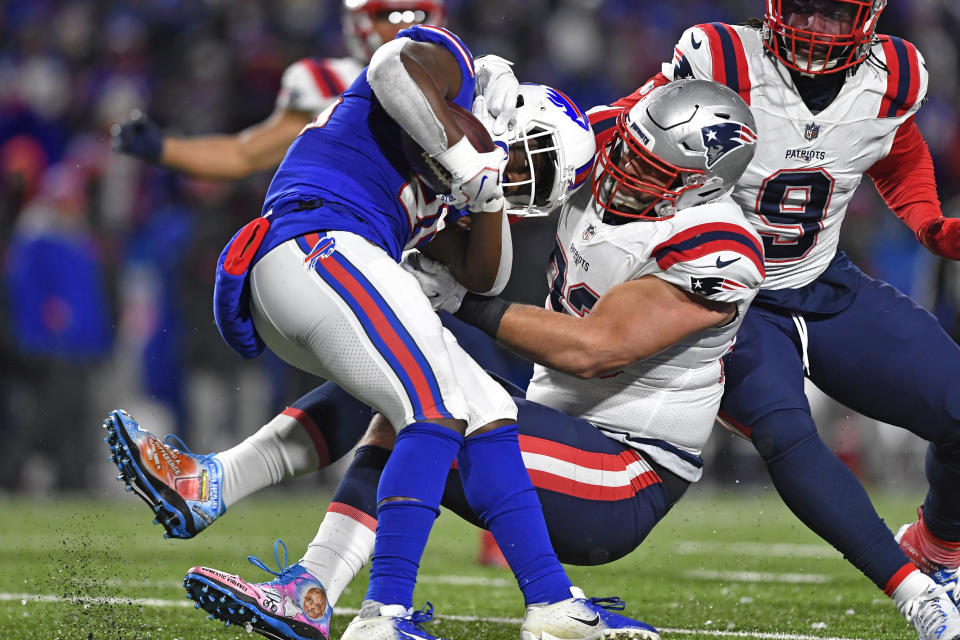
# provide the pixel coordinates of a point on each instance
(182, 488)
(292, 607)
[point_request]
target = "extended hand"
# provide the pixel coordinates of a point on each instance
(137, 136)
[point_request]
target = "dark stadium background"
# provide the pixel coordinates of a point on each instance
(113, 307)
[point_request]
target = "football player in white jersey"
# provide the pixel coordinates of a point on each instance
(833, 101)
(307, 87)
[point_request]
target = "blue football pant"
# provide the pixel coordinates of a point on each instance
(884, 357)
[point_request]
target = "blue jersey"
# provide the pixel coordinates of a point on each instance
(346, 171)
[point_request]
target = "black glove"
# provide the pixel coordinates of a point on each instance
(137, 136)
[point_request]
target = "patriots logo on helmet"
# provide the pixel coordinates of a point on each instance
(722, 138)
(568, 107)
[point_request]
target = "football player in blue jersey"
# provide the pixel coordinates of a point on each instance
(317, 279)
(834, 100)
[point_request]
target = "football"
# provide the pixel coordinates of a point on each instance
(431, 172)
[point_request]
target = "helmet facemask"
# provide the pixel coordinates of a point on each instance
(631, 181)
(820, 36)
(531, 183)
(551, 151)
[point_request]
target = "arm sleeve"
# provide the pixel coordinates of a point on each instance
(905, 178)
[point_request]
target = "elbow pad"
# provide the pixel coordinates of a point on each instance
(402, 98)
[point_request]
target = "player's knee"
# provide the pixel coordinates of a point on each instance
(777, 433)
(380, 433)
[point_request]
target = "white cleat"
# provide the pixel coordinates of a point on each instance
(389, 622)
(934, 615)
(582, 618)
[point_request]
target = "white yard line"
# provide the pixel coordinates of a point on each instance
(757, 576)
(25, 598)
(777, 550)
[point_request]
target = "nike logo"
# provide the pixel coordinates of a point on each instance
(723, 263)
(409, 635)
(590, 623)
(480, 188)
(696, 45)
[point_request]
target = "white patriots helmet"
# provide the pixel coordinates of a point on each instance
(559, 144)
(359, 17)
(686, 143)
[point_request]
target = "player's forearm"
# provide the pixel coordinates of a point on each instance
(559, 341)
(905, 178)
(475, 258)
(213, 157)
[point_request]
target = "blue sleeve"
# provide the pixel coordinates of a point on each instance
(444, 38)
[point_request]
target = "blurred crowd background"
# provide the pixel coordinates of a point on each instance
(108, 262)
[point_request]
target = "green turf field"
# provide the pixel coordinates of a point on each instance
(719, 566)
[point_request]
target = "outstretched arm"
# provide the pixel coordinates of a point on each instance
(630, 322)
(230, 157)
(225, 157)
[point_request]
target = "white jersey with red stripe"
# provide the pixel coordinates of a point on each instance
(807, 167)
(664, 405)
(311, 84)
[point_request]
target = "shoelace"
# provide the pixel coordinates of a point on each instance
(612, 603)
(423, 615)
(284, 567)
(932, 615)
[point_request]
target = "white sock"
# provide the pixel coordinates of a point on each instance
(915, 584)
(342, 546)
(281, 449)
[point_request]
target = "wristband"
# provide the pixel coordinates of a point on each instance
(457, 155)
(483, 312)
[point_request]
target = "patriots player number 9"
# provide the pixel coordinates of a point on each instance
(794, 201)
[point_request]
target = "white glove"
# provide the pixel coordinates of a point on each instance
(475, 176)
(436, 281)
(499, 87)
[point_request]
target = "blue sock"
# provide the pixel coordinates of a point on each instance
(499, 490)
(821, 491)
(417, 469)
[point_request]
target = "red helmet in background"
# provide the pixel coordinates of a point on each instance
(820, 36)
(361, 18)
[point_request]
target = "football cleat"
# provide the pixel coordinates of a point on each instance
(389, 622)
(934, 615)
(293, 606)
(582, 618)
(912, 538)
(182, 488)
